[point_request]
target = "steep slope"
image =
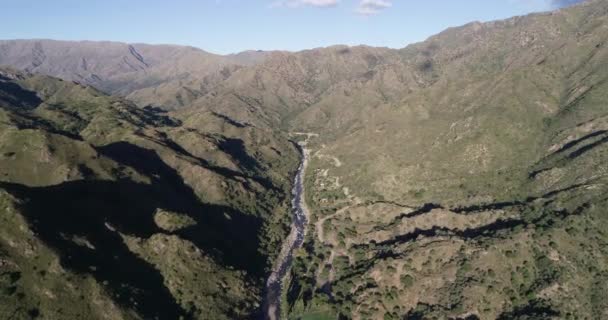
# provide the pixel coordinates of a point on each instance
(129, 213)
(165, 76)
(286, 85)
(462, 177)
(478, 191)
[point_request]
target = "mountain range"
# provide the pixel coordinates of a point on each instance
(463, 177)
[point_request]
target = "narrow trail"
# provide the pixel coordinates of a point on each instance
(272, 305)
(319, 226)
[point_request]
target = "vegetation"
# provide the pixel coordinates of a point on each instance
(115, 211)
(462, 177)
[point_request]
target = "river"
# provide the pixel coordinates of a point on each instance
(272, 305)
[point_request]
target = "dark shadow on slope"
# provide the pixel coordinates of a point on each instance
(536, 309)
(91, 210)
(593, 141)
(573, 143)
(487, 207)
(98, 210)
(14, 96)
(158, 110)
(225, 172)
(231, 121)
(236, 148)
(587, 148)
(491, 229)
(35, 123)
(426, 208)
(148, 163)
(155, 116)
(231, 235)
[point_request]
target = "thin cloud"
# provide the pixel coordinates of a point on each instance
(306, 3)
(372, 7)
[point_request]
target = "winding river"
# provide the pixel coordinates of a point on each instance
(272, 305)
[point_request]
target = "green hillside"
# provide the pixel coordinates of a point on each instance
(112, 211)
(463, 177)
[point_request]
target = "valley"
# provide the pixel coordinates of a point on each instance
(462, 177)
(277, 279)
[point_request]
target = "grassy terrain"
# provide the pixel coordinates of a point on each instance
(137, 218)
(463, 177)
(315, 316)
(485, 197)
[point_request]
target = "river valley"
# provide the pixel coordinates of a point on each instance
(272, 306)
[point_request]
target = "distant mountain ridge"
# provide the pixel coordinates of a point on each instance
(127, 69)
(462, 177)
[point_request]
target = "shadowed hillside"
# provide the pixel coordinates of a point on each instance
(463, 177)
(116, 202)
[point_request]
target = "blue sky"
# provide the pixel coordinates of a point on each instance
(226, 26)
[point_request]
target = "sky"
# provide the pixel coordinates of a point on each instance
(228, 26)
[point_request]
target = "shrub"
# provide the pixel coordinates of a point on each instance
(407, 281)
